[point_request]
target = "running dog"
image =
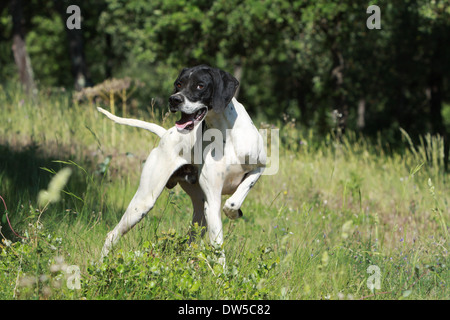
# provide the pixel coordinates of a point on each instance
(205, 98)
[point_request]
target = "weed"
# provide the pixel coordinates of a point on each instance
(336, 209)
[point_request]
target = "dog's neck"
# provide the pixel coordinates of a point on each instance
(223, 120)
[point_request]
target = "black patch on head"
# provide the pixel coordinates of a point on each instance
(189, 80)
(211, 86)
(224, 88)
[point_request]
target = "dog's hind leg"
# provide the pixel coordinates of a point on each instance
(198, 202)
(154, 177)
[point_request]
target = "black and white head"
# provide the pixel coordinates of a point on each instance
(197, 91)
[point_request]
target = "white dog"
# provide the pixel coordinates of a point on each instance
(231, 167)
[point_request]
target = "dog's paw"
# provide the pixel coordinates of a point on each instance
(230, 210)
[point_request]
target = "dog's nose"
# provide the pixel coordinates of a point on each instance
(174, 101)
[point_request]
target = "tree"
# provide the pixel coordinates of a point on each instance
(299, 59)
(19, 47)
(80, 70)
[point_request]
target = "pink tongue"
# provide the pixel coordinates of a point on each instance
(186, 119)
(183, 125)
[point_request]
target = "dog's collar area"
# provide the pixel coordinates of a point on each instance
(188, 121)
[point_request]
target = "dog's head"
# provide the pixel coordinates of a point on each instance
(198, 90)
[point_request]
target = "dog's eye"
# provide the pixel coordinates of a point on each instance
(178, 85)
(200, 86)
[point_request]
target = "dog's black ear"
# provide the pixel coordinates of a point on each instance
(180, 75)
(224, 88)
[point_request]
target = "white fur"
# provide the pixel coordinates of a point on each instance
(217, 175)
(190, 107)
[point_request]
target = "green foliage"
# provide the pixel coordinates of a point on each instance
(170, 268)
(293, 53)
(301, 58)
(51, 65)
(33, 267)
(335, 208)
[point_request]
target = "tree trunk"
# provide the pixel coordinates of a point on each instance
(437, 122)
(80, 70)
(361, 122)
(79, 66)
(237, 72)
(301, 102)
(340, 102)
(109, 53)
(19, 48)
(435, 85)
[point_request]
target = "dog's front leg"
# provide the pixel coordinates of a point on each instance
(233, 204)
(211, 185)
(154, 177)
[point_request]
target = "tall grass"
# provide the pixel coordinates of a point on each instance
(336, 207)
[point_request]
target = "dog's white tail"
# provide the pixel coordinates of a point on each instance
(158, 130)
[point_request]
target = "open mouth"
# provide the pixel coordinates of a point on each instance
(188, 121)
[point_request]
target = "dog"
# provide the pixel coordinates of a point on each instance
(205, 98)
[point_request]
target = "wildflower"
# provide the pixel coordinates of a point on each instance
(54, 187)
(347, 229)
(59, 265)
(325, 258)
(46, 291)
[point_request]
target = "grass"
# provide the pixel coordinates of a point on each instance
(312, 231)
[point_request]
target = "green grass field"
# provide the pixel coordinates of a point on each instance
(342, 219)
